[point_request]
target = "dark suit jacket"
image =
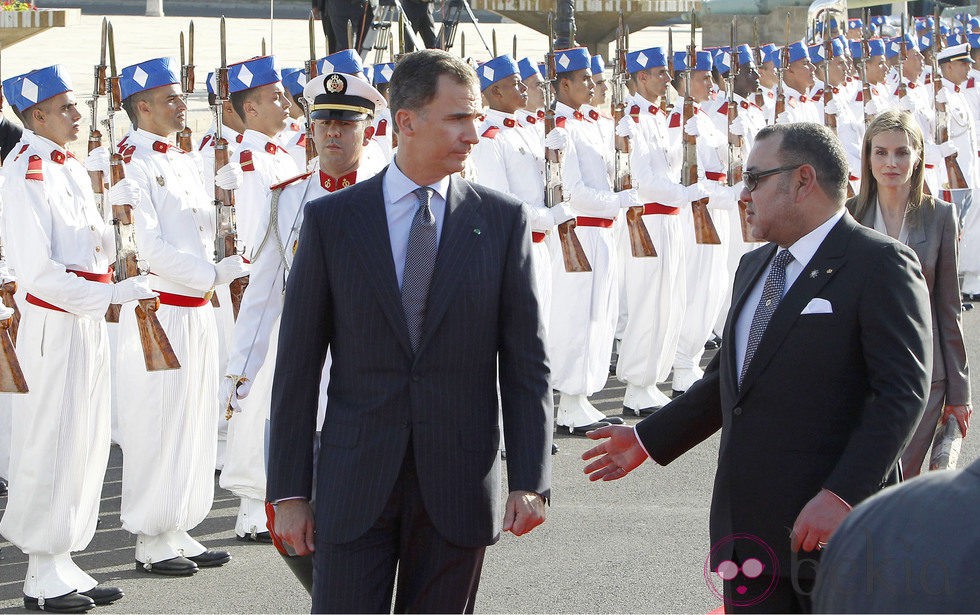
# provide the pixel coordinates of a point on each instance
(10, 135)
(829, 400)
(912, 549)
(481, 324)
(933, 236)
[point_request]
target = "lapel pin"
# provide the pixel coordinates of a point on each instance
(830, 271)
(814, 273)
(476, 231)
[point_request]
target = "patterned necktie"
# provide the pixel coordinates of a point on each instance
(772, 294)
(419, 263)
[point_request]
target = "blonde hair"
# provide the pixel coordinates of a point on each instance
(887, 121)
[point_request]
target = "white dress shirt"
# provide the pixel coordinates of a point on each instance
(802, 251)
(400, 207)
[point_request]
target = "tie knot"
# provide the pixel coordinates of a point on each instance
(783, 258)
(424, 194)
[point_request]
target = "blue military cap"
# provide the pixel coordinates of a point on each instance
(147, 75)
(943, 29)
(876, 48)
(25, 91)
(856, 48)
(798, 51)
(770, 53)
(293, 80)
(383, 72)
(722, 60)
(576, 58)
(652, 57)
(345, 61)
(543, 69)
(925, 41)
(953, 39)
(878, 20)
(496, 69)
(838, 47)
(973, 40)
(253, 73)
(816, 53)
(368, 72)
(702, 61)
(974, 23)
(854, 24)
(598, 64)
(528, 69)
(745, 56)
(212, 83)
(893, 47)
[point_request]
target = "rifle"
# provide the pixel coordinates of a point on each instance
(11, 376)
(226, 237)
(571, 248)
(863, 70)
(954, 174)
(735, 142)
(829, 119)
(704, 227)
(780, 84)
(493, 41)
(760, 98)
(670, 68)
(184, 137)
(94, 136)
(311, 72)
(158, 354)
(7, 291)
(903, 55)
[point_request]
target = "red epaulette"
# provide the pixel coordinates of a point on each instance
(594, 115)
(723, 109)
(635, 113)
(382, 128)
(123, 142)
(817, 95)
(21, 151)
(675, 120)
(860, 97)
(491, 132)
(291, 180)
(971, 82)
(127, 153)
(245, 160)
(204, 141)
(560, 121)
(301, 142)
(34, 170)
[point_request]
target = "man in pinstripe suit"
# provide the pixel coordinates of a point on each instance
(421, 285)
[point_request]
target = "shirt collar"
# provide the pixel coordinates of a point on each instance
(48, 147)
(155, 141)
(255, 140)
(561, 109)
(807, 245)
(399, 186)
(332, 184)
(499, 118)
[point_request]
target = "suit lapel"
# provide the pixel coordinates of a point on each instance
(825, 264)
(371, 242)
(455, 245)
(753, 269)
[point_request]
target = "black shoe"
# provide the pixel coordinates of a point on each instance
(554, 449)
(213, 559)
(966, 308)
(641, 411)
(584, 429)
(173, 567)
(614, 420)
(970, 298)
(260, 537)
(711, 345)
(72, 602)
(3, 487)
(674, 393)
(102, 595)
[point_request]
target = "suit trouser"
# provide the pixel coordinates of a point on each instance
(335, 18)
(419, 14)
(915, 452)
(434, 575)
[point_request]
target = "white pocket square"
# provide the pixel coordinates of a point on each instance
(818, 306)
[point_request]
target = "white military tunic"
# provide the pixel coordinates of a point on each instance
(265, 163)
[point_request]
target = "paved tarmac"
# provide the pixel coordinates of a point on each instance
(636, 545)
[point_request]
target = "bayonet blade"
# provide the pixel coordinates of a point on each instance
(112, 50)
(183, 61)
(102, 52)
(224, 57)
(190, 44)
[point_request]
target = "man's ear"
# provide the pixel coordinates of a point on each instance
(37, 115)
(405, 120)
(807, 182)
(368, 134)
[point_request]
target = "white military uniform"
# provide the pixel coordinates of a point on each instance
(254, 349)
(960, 122)
(654, 287)
(799, 107)
(169, 429)
(382, 136)
(60, 438)
(265, 162)
(294, 139)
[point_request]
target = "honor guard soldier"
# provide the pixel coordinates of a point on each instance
(294, 135)
(973, 81)
(169, 444)
(654, 286)
(61, 248)
(798, 80)
(382, 121)
(533, 114)
(585, 306)
(341, 109)
(259, 99)
(600, 99)
(769, 79)
(705, 265)
(232, 128)
(510, 159)
(849, 127)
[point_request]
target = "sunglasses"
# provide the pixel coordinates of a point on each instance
(751, 179)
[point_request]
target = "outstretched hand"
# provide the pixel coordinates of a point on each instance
(619, 455)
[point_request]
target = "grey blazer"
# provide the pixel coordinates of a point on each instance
(933, 237)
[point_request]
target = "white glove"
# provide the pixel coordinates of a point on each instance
(947, 148)
(562, 212)
(557, 139)
(628, 198)
(233, 390)
(230, 268)
(870, 108)
(124, 192)
(229, 177)
(737, 127)
(625, 127)
(691, 127)
(907, 104)
(132, 289)
(98, 160)
(6, 312)
(832, 108)
(941, 96)
(696, 192)
(784, 118)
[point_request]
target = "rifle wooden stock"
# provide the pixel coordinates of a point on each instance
(11, 376)
(957, 181)
(705, 232)
(571, 249)
(158, 354)
(237, 289)
(7, 291)
(185, 139)
(641, 244)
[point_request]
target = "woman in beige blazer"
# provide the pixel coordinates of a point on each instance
(892, 202)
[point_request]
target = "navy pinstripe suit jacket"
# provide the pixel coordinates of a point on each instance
(481, 325)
